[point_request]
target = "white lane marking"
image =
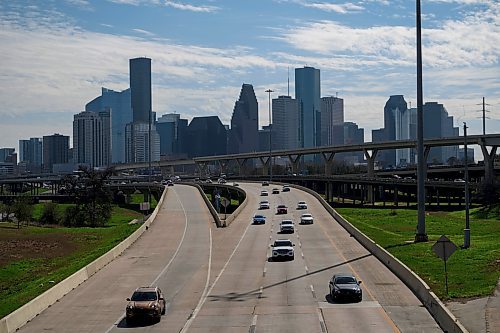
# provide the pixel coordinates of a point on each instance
(264, 272)
(300, 244)
(168, 265)
(253, 327)
(307, 270)
(261, 290)
(204, 298)
(312, 291)
(321, 321)
(302, 255)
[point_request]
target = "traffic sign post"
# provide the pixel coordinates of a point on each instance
(144, 206)
(225, 202)
(444, 248)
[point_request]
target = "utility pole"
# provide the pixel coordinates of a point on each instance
(421, 235)
(466, 176)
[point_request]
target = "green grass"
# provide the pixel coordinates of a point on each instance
(38, 210)
(138, 198)
(23, 280)
(472, 272)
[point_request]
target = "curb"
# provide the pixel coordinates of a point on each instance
(30, 310)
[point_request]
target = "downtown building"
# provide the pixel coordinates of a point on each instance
(244, 132)
(55, 152)
(332, 121)
(307, 93)
(172, 131)
(285, 125)
(142, 142)
(118, 104)
(92, 139)
(206, 136)
(30, 154)
(8, 161)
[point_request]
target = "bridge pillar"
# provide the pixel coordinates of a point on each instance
(242, 165)
(489, 158)
(202, 168)
(265, 164)
(370, 159)
(294, 161)
(328, 158)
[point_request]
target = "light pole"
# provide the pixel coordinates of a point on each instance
(466, 176)
(269, 91)
(421, 235)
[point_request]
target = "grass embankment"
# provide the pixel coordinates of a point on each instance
(472, 272)
(52, 254)
(138, 198)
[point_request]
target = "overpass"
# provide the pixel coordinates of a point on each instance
(369, 150)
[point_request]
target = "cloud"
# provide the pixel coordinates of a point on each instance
(331, 7)
(144, 32)
(189, 7)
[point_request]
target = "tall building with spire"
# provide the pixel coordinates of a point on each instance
(244, 132)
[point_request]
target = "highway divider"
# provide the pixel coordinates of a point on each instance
(30, 310)
(443, 316)
(218, 222)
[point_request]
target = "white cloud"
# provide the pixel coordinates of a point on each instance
(189, 7)
(332, 7)
(144, 32)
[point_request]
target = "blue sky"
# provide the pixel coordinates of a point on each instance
(56, 56)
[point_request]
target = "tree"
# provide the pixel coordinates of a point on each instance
(23, 210)
(50, 214)
(489, 194)
(92, 198)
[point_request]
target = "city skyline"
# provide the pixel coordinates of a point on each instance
(58, 56)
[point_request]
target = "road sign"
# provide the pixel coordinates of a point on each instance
(444, 247)
(144, 205)
(225, 202)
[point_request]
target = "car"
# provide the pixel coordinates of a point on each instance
(286, 226)
(236, 184)
(264, 204)
(345, 286)
(301, 205)
(286, 188)
(265, 183)
(259, 219)
(208, 181)
(221, 181)
(145, 303)
(264, 193)
(281, 209)
(276, 191)
(306, 218)
(282, 249)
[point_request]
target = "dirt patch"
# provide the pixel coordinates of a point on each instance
(19, 244)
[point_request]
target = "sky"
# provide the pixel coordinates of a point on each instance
(57, 54)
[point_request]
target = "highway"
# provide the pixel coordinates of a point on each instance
(221, 280)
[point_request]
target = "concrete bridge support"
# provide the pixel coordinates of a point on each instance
(489, 158)
(328, 158)
(294, 161)
(370, 158)
(265, 164)
(242, 164)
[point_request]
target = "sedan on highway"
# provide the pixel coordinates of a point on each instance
(283, 249)
(264, 204)
(145, 303)
(259, 219)
(286, 188)
(345, 286)
(301, 205)
(306, 218)
(286, 226)
(264, 193)
(276, 191)
(281, 209)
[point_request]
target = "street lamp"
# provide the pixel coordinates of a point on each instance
(421, 235)
(269, 91)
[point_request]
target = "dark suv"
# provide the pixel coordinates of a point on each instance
(145, 303)
(345, 286)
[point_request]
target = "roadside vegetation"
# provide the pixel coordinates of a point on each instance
(472, 272)
(34, 258)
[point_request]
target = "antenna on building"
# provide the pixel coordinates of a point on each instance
(336, 94)
(288, 70)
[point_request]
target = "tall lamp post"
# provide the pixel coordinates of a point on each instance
(269, 91)
(466, 176)
(421, 235)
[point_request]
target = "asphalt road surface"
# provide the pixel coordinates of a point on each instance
(222, 280)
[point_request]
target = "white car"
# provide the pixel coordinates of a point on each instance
(283, 249)
(301, 205)
(287, 226)
(264, 204)
(264, 193)
(306, 219)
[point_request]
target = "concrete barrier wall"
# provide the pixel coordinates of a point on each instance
(238, 210)
(30, 310)
(211, 208)
(443, 316)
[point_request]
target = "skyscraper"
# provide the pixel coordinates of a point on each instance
(206, 136)
(55, 151)
(119, 105)
(438, 124)
(140, 87)
(30, 152)
(172, 131)
(307, 93)
(285, 123)
(91, 139)
(137, 143)
(243, 136)
(332, 120)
